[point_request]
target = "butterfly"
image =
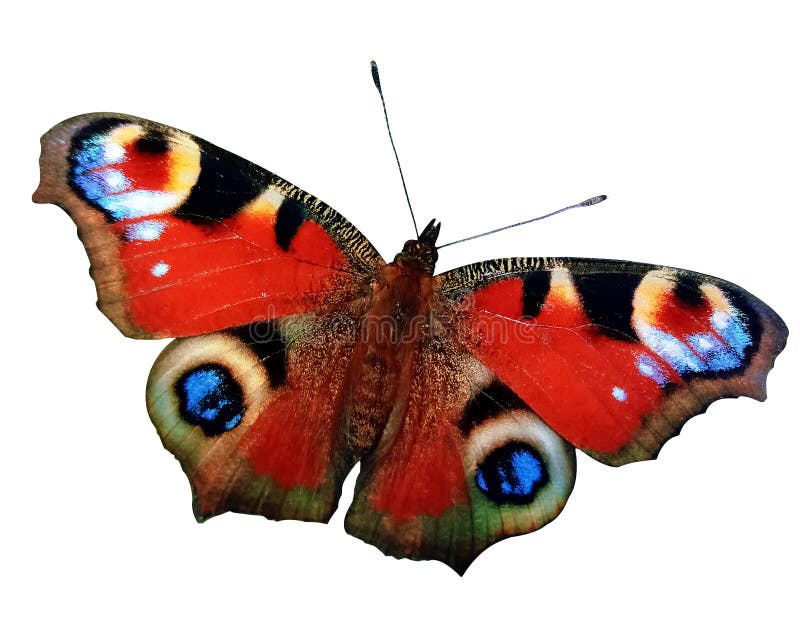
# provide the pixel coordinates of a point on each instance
(301, 352)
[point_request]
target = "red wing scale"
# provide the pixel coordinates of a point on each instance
(301, 352)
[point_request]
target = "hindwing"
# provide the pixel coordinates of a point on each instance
(462, 464)
(254, 415)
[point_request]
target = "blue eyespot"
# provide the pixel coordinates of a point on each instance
(513, 473)
(210, 398)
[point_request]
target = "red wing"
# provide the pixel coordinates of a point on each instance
(614, 356)
(462, 464)
(254, 416)
(186, 238)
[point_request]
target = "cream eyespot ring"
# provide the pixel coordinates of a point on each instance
(515, 461)
(215, 382)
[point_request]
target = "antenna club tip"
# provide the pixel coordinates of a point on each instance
(594, 200)
(375, 76)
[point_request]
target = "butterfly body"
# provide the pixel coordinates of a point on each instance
(300, 352)
(389, 334)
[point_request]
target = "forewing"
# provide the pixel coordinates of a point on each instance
(186, 238)
(614, 356)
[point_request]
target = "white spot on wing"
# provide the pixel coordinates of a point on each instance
(159, 269)
(115, 181)
(139, 203)
(620, 394)
(145, 231)
(113, 153)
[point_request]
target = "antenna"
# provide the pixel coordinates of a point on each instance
(588, 202)
(377, 79)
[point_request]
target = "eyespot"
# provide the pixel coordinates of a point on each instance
(129, 170)
(205, 396)
(513, 473)
(210, 398)
(721, 334)
(516, 463)
(212, 383)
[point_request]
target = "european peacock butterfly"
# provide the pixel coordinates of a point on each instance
(301, 352)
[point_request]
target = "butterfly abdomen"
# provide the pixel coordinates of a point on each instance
(395, 322)
(371, 399)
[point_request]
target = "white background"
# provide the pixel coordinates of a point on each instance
(686, 116)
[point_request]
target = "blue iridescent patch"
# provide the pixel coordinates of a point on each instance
(715, 352)
(672, 350)
(92, 157)
(97, 186)
(95, 151)
(730, 328)
(96, 177)
(722, 350)
(210, 398)
(513, 473)
(650, 368)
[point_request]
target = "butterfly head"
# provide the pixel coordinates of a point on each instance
(422, 252)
